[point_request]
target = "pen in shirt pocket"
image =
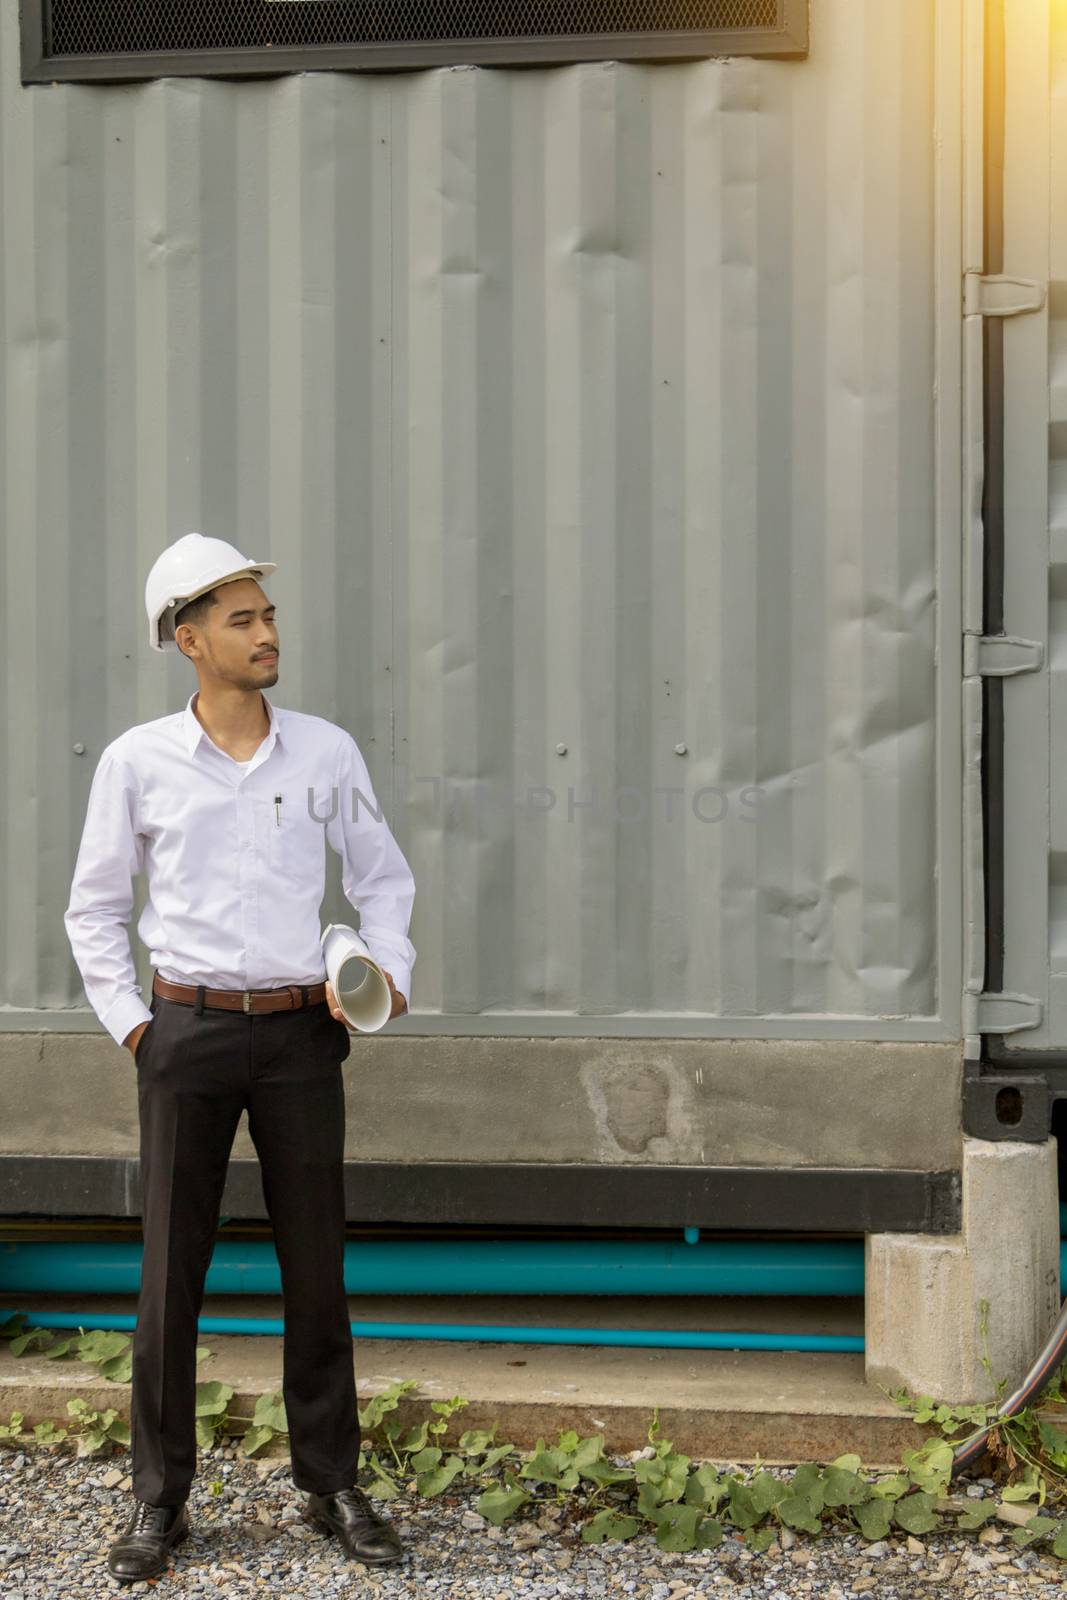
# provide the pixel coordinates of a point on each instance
(278, 810)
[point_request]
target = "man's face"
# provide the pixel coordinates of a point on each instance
(237, 641)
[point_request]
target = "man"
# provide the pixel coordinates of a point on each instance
(228, 807)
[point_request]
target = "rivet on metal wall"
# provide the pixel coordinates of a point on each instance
(681, 749)
(79, 749)
(561, 749)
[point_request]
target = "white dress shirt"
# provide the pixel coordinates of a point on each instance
(235, 882)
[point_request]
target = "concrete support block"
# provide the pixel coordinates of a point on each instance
(923, 1293)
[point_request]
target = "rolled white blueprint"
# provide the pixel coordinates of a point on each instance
(359, 983)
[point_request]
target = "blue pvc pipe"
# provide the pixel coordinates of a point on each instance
(488, 1332)
(481, 1267)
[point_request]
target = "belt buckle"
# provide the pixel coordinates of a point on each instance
(246, 999)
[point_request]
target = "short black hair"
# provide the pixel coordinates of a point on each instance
(196, 610)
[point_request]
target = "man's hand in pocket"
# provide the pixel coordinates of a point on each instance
(133, 1039)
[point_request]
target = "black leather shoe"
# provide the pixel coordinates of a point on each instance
(365, 1535)
(143, 1548)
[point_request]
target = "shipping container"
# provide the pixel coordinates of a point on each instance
(661, 433)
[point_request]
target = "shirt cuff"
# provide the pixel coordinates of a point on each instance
(124, 1015)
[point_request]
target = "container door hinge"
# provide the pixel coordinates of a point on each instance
(995, 294)
(1000, 655)
(1000, 1013)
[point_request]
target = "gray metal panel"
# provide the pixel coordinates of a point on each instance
(587, 407)
(1035, 523)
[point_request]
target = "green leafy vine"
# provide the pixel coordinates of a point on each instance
(687, 1505)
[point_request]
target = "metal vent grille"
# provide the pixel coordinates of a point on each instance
(123, 27)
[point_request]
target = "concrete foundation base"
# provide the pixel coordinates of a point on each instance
(924, 1294)
(722, 1405)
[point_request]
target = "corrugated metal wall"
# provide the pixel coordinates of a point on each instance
(589, 413)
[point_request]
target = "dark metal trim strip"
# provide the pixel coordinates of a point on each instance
(31, 33)
(535, 1194)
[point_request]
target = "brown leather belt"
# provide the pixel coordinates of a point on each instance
(291, 998)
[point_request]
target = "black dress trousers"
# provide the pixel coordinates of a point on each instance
(195, 1073)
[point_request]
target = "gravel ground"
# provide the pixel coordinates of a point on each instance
(58, 1515)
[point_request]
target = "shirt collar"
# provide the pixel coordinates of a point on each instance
(193, 731)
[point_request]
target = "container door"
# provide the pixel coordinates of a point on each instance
(1025, 736)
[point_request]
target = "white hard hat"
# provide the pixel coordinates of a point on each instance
(187, 568)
